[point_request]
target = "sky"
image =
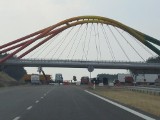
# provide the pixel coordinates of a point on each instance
(22, 17)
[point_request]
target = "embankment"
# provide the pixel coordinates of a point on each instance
(6, 80)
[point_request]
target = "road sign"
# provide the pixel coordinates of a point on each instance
(90, 68)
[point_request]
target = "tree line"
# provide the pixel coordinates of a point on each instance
(153, 59)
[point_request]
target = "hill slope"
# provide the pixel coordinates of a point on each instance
(6, 80)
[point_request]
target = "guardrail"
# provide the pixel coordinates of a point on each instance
(147, 90)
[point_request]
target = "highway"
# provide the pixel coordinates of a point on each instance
(49, 102)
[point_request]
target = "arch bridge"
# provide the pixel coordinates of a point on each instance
(25, 45)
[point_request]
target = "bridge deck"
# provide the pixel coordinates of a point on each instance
(136, 66)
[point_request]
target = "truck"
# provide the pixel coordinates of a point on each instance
(35, 79)
(27, 78)
(139, 79)
(45, 79)
(124, 77)
(58, 78)
(84, 80)
(146, 78)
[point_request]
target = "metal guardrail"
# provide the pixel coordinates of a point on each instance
(147, 90)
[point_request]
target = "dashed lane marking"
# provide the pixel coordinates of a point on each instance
(37, 101)
(30, 107)
(17, 118)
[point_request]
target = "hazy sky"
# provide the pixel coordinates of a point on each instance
(21, 17)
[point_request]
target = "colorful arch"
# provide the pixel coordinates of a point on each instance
(53, 30)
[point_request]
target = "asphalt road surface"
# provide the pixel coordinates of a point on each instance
(49, 102)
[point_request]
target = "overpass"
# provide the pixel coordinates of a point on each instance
(140, 67)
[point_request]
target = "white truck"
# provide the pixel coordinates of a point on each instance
(140, 78)
(121, 77)
(149, 78)
(35, 79)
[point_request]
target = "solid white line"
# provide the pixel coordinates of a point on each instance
(17, 118)
(37, 101)
(30, 107)
(122, 107)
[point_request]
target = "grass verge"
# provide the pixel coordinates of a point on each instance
(144, 102)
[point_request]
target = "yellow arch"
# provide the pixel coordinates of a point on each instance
(98, 19)
(95, 19)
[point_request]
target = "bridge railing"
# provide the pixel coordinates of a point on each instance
(32, 60)
(76, 60)
(101, 64)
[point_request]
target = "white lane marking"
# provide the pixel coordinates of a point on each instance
(30, 107)
(41, 97)
(17, 118)
(49, 91)
(45, 94)
(37, 101)
(122, 107)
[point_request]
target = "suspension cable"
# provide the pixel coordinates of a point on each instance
(99, 40)
(49, 43)
(129, 43)
(37, 50)
(89, 42)
(62, 41)
(119, 43)
(69, 42)
(107, 41)
(140, 44)
(84, 44)
(79, 40)
(54, 46)
(74, 41)
(96, 41)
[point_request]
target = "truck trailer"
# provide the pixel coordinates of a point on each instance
(138, 79)
(58, 78)
(35, 79)
(146, 78)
